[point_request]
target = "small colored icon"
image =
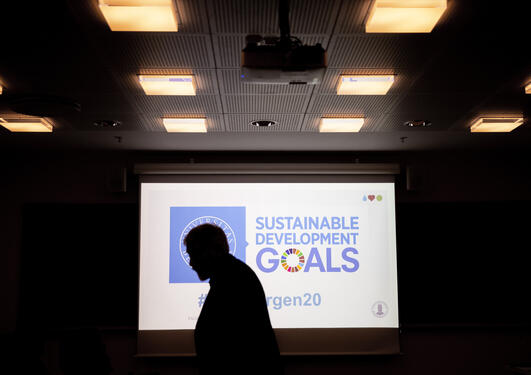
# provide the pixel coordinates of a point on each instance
(372, 197)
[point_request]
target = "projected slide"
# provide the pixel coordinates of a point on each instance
(324, 252)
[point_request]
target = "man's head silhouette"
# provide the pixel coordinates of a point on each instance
(205, 244)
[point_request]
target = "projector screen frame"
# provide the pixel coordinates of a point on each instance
(269, 173)
(267, 168)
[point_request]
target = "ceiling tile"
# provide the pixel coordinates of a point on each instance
(351, 104)
(264, 104)
(192, 17)
(159, 50)
(261, 17)
(378, 51)
(174, 105)
(352, 17)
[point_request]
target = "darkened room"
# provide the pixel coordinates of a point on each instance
(86, 125)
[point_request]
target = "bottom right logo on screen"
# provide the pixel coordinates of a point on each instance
(379, 309)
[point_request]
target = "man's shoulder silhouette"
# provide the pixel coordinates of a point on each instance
(234, 323)
(233, 332)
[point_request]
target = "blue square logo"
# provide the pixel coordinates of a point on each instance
(183, 219)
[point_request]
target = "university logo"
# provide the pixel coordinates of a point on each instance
(183, 219)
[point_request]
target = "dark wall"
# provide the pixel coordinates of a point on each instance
(457, 276)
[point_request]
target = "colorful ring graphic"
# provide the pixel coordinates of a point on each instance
(284, 262)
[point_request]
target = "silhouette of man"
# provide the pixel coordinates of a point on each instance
(233, 333)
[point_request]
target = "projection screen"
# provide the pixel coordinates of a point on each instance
(321, 239)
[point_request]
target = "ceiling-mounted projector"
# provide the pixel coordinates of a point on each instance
(282, 60)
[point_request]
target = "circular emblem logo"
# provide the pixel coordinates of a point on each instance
(292, 260)
(231, 238)
(379, 309)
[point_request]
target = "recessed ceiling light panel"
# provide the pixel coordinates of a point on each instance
(404, 16)
(167, 84)
(139, 15)
(185, 125)
(418, 123)
(27, 125)
(341, 125)
(364, 84)
(106, 123)
(496, 125)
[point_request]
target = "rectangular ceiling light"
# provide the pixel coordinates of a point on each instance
(496, 125)
(527, 88)
(404, 16)
(167, 85)
(185, 125)
(27, 125)
(139, 15)
(341, 125)
(364, 84)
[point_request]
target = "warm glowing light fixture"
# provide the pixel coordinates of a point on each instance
(404, 16)
(1, 89)
(27, 125)
(364, 84)
(139, 15)
(185, 125)
(496, 125)
(341, 125)
(527, 88)
(167, 85)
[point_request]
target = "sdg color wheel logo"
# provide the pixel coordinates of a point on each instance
(292, 260)
(183, 219)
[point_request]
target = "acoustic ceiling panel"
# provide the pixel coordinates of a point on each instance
(378, 51)
(104, 102)
(313, 16)
(240, 123)
(264, 103)
(352, 17)
(351, 104)
(160, 50)
(261, 16)
(230, 83)
(243, 16)
(466, 66)
(227, 50)
(426, 105)
(192, 17)
(176, 105)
